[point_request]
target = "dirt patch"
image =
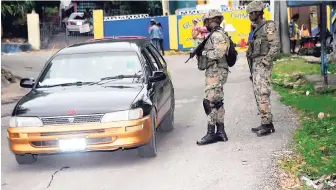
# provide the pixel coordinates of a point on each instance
(10, 87)
(7, 77)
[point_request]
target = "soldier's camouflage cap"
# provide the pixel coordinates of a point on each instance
(212, 14)
(256, 5)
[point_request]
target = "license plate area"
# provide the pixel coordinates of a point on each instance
(72, 144)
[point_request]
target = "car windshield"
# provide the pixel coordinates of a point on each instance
(92, 68)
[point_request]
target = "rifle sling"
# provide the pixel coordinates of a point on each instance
(257, 29)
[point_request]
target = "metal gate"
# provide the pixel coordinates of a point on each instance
(56, 33)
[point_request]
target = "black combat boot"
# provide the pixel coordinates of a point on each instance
(210, 137)
(256, 129)
(221, 135)
(265, 129)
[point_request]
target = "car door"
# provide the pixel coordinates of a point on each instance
(156, 91)
(166, 101)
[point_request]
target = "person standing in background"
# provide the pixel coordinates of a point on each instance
(195, 33)
(304, 32)
(161, 37)
(154, 35)
(203, 33)
(294, 32)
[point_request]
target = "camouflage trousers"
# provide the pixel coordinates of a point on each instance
(215, 78)
(262, 88)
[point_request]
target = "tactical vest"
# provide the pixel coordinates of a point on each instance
(260, 43)
(221, 63)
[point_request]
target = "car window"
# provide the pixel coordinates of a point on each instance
(151, 58)
(158, 55)
(73, 15)
(144, 59)
(155, 59)
(91, 67)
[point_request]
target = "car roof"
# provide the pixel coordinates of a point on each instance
(112, 45)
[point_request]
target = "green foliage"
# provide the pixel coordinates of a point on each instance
(16, 8)
(315, 140)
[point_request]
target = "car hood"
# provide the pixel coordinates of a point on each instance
(83, 100)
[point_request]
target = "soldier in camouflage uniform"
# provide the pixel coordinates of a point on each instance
(216, 75)
(262, 50)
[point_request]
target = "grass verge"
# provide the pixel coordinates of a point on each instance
(315, 140)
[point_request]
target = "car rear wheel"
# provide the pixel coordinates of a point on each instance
(149, 150)
(25, 158)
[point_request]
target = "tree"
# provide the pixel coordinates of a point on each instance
(14, 10)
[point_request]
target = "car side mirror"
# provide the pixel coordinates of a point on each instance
(157, 76)
(27, 82)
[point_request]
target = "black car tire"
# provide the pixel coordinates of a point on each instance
(149, 150)
(23, 159)
(168, 123)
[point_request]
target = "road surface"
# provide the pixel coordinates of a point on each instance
(244, 162)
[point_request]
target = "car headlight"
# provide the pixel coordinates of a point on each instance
(25, 122)
(123, 115)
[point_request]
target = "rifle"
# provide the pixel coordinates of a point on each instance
(198, 50)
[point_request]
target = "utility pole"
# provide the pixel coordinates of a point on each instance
(276, 17)
(285, 47)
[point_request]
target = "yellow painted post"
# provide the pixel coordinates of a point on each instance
(172, 22)
(98, 24)
(328, 17)
(200, 2)
(165, 5)
(289, 13)
(33, 26)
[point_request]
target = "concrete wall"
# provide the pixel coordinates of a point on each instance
(176, 28)
(136, 27)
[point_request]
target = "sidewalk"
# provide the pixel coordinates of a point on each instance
(12, 93)
(318, 81)
(25, 64)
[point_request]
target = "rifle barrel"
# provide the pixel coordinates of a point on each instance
(188, 60)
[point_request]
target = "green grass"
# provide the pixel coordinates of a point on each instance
(296, 66)
(315, 140)
(332, 68)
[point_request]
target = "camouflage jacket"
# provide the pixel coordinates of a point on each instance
(216, 48)
(265, 42)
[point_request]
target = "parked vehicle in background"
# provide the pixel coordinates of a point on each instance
(99, 95)
(77, 23)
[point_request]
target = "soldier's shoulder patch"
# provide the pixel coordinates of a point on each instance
(271, 30)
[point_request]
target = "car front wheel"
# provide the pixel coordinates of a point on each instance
(149, 150)
(25, 158)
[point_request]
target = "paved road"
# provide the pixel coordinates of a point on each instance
(241, 163)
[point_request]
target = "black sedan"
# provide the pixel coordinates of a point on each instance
(100, 95)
